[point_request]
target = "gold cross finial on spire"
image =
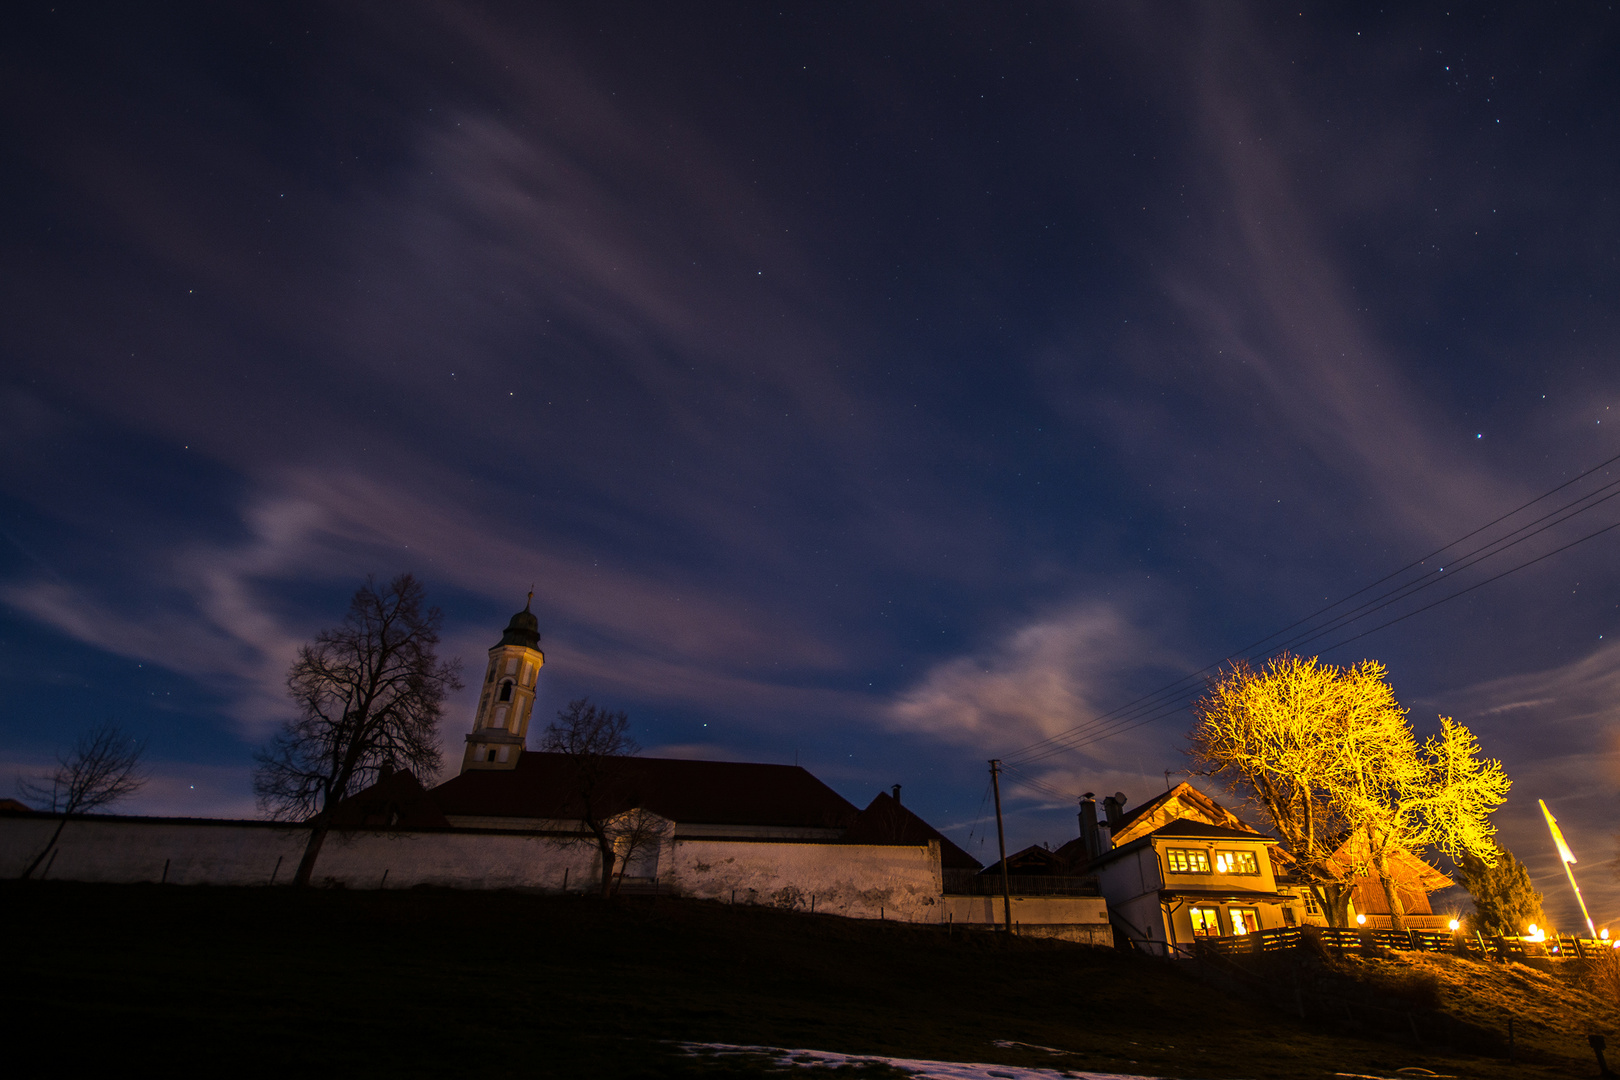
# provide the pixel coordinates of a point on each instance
(531, 597)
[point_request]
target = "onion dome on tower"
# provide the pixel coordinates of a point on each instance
(502, 721)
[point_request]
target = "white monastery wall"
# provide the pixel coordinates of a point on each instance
(862, 881)
(858, 880)
(201, 852)
(130, 850)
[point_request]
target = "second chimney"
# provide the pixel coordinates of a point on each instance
(1114, 808)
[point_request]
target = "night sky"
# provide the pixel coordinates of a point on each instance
(884, 387)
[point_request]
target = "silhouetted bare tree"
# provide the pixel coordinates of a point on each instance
(103, 767)
(369, 695)
(634, 833)
(596, 742)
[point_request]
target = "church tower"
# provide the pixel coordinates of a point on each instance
(502, 721)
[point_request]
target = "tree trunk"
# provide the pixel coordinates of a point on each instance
(312, 850)
(1392, 896)
(55, 836)
(607, 869)
(1335, 901)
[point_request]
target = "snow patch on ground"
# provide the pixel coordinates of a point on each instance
(923, 1070)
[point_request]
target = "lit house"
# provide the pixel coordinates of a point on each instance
(1188, 879)
(1201, 895)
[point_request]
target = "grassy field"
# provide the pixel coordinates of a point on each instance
(417, 983)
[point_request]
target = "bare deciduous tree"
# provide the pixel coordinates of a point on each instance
(369, 696)
(596, 742)
(103, 767)
(633, 833)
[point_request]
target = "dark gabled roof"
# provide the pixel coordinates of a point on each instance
(885, 821)
(1198, 830)
(1191, 802)
(394, 801)
(1129, 816)
(542, 785)
(1033, 861)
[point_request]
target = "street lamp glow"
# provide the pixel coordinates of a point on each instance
(1361, 920)
(1454, 924)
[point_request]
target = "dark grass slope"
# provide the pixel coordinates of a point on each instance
(417, 983)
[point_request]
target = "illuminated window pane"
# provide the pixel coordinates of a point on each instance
(1187, 860)
(1245, 920)
(1236, 862)
(1206, 921)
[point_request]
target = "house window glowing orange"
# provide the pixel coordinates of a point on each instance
(1187, 860)
(1206, 922)
(1236, 862)
(1245, 920)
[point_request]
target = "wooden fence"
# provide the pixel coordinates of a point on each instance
(1366, 941)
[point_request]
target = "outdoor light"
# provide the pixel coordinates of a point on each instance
(1604, 933)
(1454, 924)
(1361, 920)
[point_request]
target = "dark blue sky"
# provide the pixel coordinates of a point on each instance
(884, 386)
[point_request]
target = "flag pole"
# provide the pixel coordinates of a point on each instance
(1567, 857)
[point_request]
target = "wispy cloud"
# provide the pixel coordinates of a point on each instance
(1558, 731)
(1056, 672)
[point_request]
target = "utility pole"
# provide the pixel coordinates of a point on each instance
(1001, 841)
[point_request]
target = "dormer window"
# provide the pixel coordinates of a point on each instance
(506, 691)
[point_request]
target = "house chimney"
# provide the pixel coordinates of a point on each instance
(1114, 808)
(897, 793)
(1090, 841)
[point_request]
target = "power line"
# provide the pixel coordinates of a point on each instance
(1338, 603)
(1171, 697)
(1178, 703)
(1148, 702)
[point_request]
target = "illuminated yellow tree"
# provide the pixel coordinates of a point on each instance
(1274, 737)
(1401, 796)
(1327, 755)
